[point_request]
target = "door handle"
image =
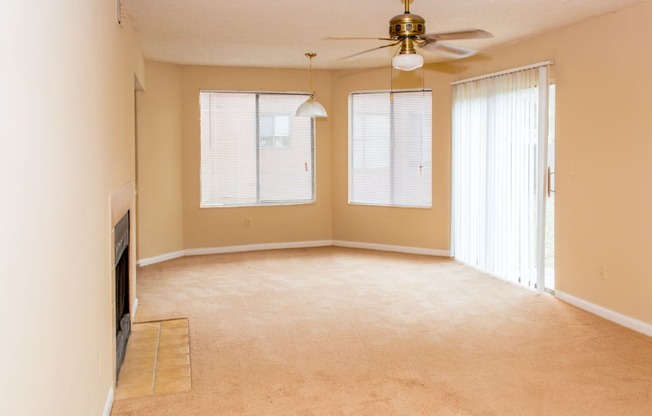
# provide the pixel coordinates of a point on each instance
(550, 173)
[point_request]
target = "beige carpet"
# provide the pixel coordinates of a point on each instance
(332, 331)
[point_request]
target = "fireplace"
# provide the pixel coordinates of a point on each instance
(121, 265)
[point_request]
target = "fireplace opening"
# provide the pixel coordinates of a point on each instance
(122, 319)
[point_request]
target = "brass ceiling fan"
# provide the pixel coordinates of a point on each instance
(409, 31)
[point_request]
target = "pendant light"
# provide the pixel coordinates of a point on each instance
(407, 59)
(311, 108)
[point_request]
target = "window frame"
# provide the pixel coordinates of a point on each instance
(312, 164)
(392, 138)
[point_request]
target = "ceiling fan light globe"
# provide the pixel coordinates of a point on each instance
(407, 62)
(311, 108)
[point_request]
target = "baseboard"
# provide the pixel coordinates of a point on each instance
(293, 244)
(256, 247)
(398, 249)
(608, 314)
(109, 403)
(158, 259)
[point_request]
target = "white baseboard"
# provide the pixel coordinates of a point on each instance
(608, 314)
(398, 249)
(232, 249)
(256, 247)
(158, 259)
(109, 403)
(293, 244)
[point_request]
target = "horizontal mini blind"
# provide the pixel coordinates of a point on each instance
(254, 151)
(390, 148)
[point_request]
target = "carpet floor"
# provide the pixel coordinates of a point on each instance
(334, 331)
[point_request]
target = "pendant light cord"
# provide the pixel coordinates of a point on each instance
(310, 55)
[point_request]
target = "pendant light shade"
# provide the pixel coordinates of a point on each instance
(407, 62)
(311, 108)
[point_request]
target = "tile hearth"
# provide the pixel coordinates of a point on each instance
(157, 360)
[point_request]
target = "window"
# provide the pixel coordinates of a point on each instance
(254, 151)
(390, 148)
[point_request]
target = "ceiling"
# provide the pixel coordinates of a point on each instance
(259, 33)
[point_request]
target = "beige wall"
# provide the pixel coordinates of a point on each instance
(67, 120)
(604, 85)
(160, 204)
(602, 71)
(217, 227)
(419, 228)
(168, 175)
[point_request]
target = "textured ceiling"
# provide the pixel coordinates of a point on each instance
(261, 33)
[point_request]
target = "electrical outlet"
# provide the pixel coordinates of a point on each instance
(247, 223)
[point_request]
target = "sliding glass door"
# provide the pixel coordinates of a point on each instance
(500, 140)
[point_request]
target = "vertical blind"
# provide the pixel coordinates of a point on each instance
(390, 148)
(254, 151)
(497, 186)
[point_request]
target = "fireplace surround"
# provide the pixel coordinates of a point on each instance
(122, 309)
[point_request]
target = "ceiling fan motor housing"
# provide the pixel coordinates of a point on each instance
(407, 25)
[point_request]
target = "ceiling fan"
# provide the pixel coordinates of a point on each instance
(409, 31)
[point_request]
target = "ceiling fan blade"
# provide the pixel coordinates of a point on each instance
(356, 38)
(455, 52)
(458, 34)
(371, 50)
